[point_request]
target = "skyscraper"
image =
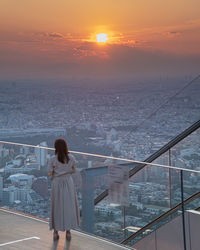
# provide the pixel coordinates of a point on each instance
(41, 154)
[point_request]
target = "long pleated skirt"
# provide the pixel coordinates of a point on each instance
(64, 214)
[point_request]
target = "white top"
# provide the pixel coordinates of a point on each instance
(58, 168)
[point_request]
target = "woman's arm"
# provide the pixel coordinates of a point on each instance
(73, 169)
(50, 167)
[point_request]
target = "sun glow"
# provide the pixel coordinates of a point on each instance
(102, 38)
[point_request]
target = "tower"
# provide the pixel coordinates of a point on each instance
(41, 154)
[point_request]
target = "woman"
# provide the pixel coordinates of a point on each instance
(64, 205)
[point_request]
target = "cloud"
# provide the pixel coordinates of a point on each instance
(90, 50)
(56, 35)
(55, 54)
(173, 33)
(40, 35)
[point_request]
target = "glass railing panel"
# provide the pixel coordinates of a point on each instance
(193, 205)
(25, 186)
(173, 177)
(100, 179)
(186, 154)
(105, 219)
(149, 196)
(109, 221)
(151, 192)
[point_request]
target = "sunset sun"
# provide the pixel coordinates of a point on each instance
(102, 38)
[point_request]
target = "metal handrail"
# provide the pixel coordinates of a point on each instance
(160, 218)
(130, 162)
(154, 156)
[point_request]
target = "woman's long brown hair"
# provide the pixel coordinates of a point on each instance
(61, 150)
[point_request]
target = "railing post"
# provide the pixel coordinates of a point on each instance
(183, 211)
(124, 220)
(87, 202)
(170, 179)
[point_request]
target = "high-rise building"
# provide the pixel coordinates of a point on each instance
(5, 198)
(41, 154)
(4, 152)
(24, 150)
(12, 194)
(89, 164)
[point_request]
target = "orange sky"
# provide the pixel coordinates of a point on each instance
(41, 36)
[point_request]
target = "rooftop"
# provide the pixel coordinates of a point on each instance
(20, 231)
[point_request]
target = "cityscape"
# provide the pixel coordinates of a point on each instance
(105, 127)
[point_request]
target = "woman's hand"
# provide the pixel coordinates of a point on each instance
(73, 170)
(50, 173)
